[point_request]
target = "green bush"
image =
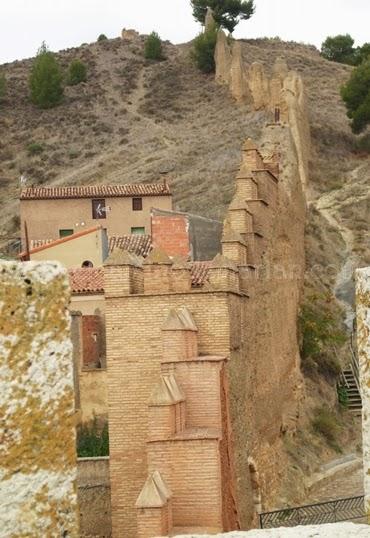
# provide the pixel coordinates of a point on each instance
(35, 148)
(319, 333)
(356, 96)
(77, 72)
(203, 52)
(102, 37)
(46, 79)
(362, 144)
(92, 440)
(325, 423)
(153, 47)
(342, 396)
(2, 86)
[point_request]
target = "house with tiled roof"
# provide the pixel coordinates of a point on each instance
(86, 248)
(50, 213)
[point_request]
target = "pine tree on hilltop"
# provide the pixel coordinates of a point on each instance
(226, 13)
(46, 79)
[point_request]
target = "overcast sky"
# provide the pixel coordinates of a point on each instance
(66, 23)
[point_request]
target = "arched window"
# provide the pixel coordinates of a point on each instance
(87, 263)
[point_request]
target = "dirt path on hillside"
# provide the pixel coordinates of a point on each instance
(329, 205)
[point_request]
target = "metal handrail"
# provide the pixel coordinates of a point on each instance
(346, 509)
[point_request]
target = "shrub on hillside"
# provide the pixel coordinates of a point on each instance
(356, 96)
(2, 86)
(203, 52)
(92, 440)
(34, 148)
(320, 333)
(102, 37)
(153, 47)
(326, 424)
(46, 79)
(77, 72)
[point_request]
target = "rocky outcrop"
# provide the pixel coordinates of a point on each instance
(238, 76)
(222, 59)
(209, 23)
(259, 86)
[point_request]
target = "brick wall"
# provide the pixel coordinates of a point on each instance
(170, 233)
(91, 341)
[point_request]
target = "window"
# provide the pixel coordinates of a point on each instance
(138, 230)
(98, 209)
(87, 263)
(137, 204)
(65, 233)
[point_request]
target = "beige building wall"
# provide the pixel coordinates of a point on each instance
(46, 217)
(72, 253)
(88, 305)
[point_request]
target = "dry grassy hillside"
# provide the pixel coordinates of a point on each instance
(134, 120)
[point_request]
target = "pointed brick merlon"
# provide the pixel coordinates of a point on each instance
(154, 510)
(234, 247)
(123, 274)
(157, 272)
(167, 392)
(166, 409)
(223, 274)
(179, 335)
(252, 158)
(363, 347)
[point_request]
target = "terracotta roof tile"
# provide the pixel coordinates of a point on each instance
(87, 280)
(138, 244)
(90, 280)
(199, 273)
(94, 191)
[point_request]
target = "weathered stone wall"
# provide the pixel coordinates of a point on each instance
(37, 451)
(363, 346)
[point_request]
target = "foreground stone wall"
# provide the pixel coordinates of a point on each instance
(363, 345)
(37, 450)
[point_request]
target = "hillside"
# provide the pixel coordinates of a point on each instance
(135, 120)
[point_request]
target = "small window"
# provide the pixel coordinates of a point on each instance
(137, 204)
(98, 209)
(138, 230)
(87, 263)
(65, 233)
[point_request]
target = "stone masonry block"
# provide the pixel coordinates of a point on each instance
(38, 457)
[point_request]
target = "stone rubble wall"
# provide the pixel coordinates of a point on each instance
(37, 424)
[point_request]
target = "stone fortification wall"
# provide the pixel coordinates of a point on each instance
(204, 382)
(38, 459)
(281, 93)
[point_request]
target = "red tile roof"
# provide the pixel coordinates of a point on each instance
(137, 244)
(87, 280)
(94, 191)
(48, 244)
(90, 280)
(199, 273)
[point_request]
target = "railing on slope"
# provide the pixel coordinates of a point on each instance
(354, 363)
(347, 509)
